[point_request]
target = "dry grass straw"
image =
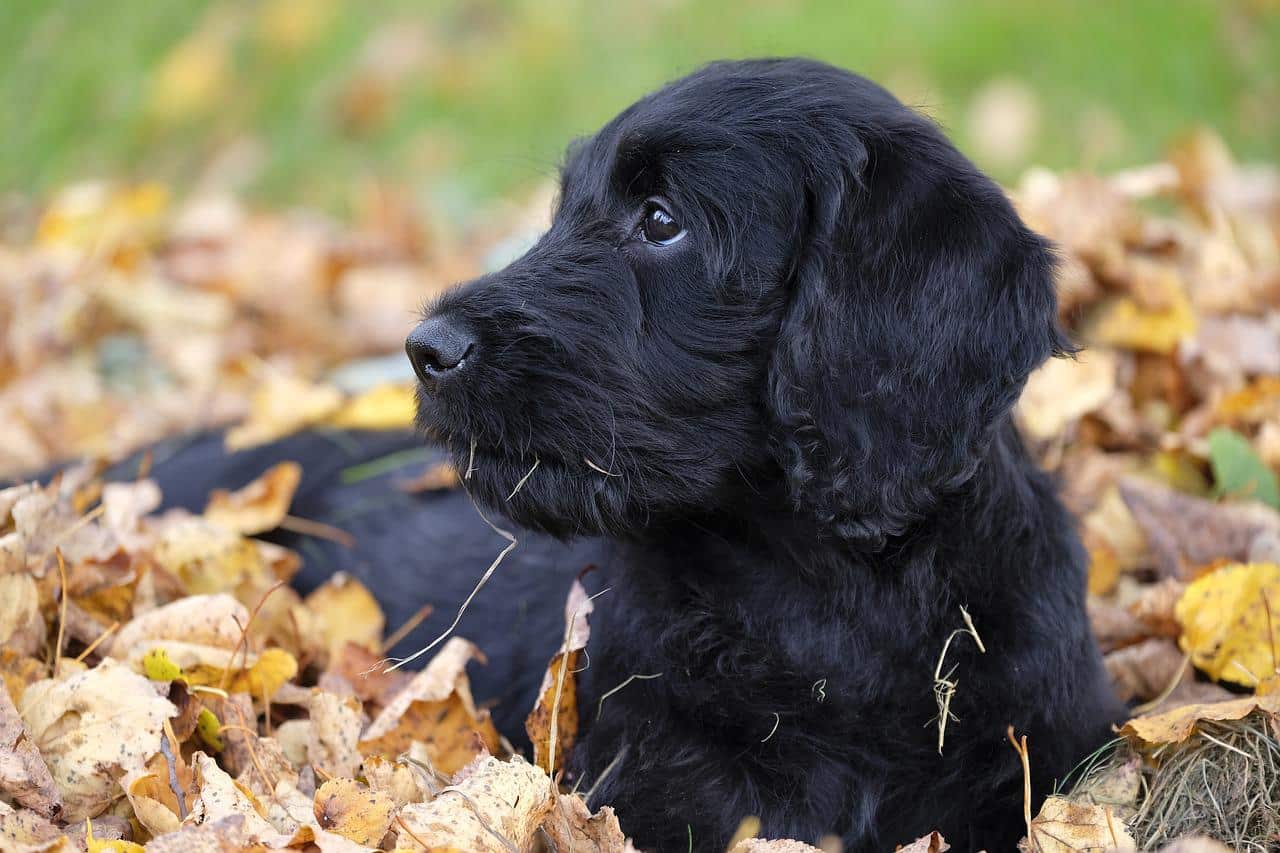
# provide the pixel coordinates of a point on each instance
(1224, 782)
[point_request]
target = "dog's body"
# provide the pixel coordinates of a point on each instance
(762, 366)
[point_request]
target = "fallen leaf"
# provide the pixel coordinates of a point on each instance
(259, 506)
(1063, 390)
(23, 774)
(24, 831)
(1064, 827)
(353, 811)
(22, 627)
(91, 726)
(345, 612)
(334, 733)
(1142, 672)
(207, 558)
(931, 843)
(559, 687)
(1237, 470)
(1186, 532)
(382, 407)
(497, 807)
(436, 709)
(1175, 726)
(779, 845)
(434, 478)
(221, 797)
(1122, 322)
(1228, 623)
(571, 826)
(282, 405)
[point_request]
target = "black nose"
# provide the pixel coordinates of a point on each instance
(438, 346)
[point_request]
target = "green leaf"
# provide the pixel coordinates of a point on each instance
(1238, 471)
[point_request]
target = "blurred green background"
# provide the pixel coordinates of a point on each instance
(460, 101)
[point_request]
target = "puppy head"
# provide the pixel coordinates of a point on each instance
(768, 284)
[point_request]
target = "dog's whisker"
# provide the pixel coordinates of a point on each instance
(520, 485)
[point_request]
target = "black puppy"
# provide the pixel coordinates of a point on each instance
(760, 371)
(769, 346)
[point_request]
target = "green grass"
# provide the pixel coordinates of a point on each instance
(500, 85)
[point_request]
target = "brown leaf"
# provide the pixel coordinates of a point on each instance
(259, 506)
(559, 687)
(23, 773)
(781, 845)
(571, 826)
(1144, 671)
(22, 627)
(282, 405)
(1064, 827)
(335, 730)
(436, 709)
(344, 612)
(931, 843)
(1177, 725)
(353, 811)
(1063, 390)
(1186, 532)
(434, 478)
(497, 807)
(24, 831)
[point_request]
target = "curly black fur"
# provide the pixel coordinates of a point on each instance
(795, 421)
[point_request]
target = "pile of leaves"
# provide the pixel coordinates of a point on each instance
(164, 686)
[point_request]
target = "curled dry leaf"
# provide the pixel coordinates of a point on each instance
(23, 774)
(92, 728)
(1228, 622)
(1064, 390)
(782, 845)
(258, 507)
(221, 797)
(559, 687)
(436, 709)
(207, 558)
(571, 826)
(496, 808)
(357, 813)
(24, 831)
(1175, 726)
(22, 628)
(1063, 826)
(282, 405)
(1143, 671)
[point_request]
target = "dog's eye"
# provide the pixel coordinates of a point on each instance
(658, 226)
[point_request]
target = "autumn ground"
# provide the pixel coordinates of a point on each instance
(165, 687)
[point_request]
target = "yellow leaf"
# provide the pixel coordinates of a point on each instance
(192, 78)
(1227, 620)
(258, 507)
(282, 405)
(108, 845)
(383, 407)
(208, 558)
(210, 730)
(157, 666)
(1121, 322)
(1066, 827)
(1175, 726)
(1063, 390)
(559, 688)
(345, 611)
(273, 668)
(353, 811)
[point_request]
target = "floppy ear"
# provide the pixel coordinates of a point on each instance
(919, 305)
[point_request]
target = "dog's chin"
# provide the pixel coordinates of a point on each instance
(542, 493)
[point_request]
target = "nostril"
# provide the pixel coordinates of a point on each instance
(437, 346)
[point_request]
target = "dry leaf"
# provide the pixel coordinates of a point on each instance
(436, 709)
(283, 405)
(1142, 672)
(24, 831)
(23, 774)
(383, 407)
(345, 612)
(1175, 726)
(93, 727)
(931, 843)
(1228, 623)
(208, 558)
(1063, 390)
(220, 797)
(1122, 322)
(1186, 532)
(497, 807)
(559, 687)
(333, 734)
(346, 807)
(22, 628)
(782, 845)
(258, 507)
(434, 478)
(1063, 826)
(571, 826)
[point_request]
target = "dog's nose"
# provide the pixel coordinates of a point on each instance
(439, 346)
